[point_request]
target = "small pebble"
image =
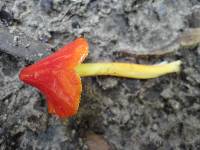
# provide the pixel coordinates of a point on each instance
(96, 142)
(73, 133)
(125, 118)
(16, 40)
(107, 83)
(198, 50)
(155, 127)
(174, 104)
(167, 93)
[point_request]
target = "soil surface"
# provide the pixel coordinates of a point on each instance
(115, 113)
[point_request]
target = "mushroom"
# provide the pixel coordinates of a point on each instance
(58, 75)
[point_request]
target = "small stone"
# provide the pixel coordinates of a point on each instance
(27, 45)
(16, 40)
(174, 104)
(96, 142)
(108, 102)
(167, 93)
(80, 141)
(73, 133)
(6, 102)
(155, 127)
(107, 83)
(115, 110)
(4, 117)
(198, 50)
(125, 117)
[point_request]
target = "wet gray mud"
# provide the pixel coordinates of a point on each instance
(115, 113)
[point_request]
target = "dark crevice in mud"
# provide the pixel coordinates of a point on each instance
(11, 141)
(10, 64)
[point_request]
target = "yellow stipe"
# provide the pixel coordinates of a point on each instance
(128, 70)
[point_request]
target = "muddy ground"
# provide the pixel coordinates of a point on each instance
(115, 113)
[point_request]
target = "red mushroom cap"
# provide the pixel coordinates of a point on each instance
(56, 78)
